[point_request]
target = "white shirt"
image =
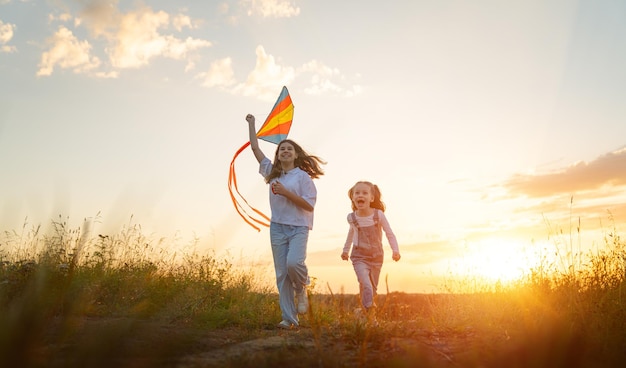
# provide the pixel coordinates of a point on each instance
(297, 181)
(353, 232)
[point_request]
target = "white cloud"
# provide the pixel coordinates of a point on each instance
(325, 79)
(6, 35)
(137, 37)
(67, 52)
(64, 17)
(270, 75)
(267, 77)
(220, 74)
(132, 39)
(273, 8)
(181, 21)
(262, 82)
(321, 79)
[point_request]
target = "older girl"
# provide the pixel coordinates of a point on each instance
(292, 200)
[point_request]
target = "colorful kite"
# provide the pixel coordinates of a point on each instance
(274, 130)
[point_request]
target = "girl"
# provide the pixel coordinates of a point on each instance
(366, 222)
(292, 199)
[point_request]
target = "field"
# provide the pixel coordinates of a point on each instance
(68, 301)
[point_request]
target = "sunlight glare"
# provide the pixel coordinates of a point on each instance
(496, 259)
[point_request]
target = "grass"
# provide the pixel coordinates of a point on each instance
(69, 300)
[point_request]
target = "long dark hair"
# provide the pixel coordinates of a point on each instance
(306, 162)
(377, 203)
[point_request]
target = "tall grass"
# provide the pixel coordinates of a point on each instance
(69, 299)
(569, 310)
(50, 284)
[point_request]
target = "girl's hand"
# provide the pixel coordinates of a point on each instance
(278, 188)
(396, 256)
(250, 118)
(344, 256)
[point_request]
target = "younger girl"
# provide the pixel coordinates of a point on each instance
(366, 222)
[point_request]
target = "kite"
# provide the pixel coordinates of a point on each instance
(274, 130)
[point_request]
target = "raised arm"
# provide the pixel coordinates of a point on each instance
(254, 141)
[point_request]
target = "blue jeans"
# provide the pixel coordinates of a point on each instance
(289, 252)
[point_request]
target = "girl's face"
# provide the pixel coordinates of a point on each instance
(362, 196)
(286, 153)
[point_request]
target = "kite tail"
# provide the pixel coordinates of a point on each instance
(232, 183)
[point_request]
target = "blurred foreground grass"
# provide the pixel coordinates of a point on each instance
(68, 300)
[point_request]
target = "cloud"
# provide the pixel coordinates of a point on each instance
(269, 75)
(132, 39)
(6, 34)
(272, 8)
(135, 49)
(182, 21)
(138, 39)
(64, 17)
(220, 74)
(100, 17)
(322, 80)
(607, 170)
(67, 52)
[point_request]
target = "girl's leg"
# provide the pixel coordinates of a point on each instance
(374, 276)
(362, 270)
(296, 257)
(280, 250)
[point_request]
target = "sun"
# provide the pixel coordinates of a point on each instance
(497, 259)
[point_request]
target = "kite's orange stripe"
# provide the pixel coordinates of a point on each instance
(280, 129)
(282, 105)
(276, 119)
(232, 182)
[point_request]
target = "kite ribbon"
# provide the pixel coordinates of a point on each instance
(232, 183)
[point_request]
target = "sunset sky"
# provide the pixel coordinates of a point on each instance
(491, 127)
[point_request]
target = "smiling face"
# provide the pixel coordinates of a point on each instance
(362, 196)
(286, 154)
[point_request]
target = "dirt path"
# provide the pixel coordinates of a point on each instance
(124, 342)
(247, 351)
(299, 348)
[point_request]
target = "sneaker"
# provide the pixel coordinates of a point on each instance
(285, 325)
(303, 301)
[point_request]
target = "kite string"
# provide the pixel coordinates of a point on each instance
(239, 206)
(234, 180)
(232, 183)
